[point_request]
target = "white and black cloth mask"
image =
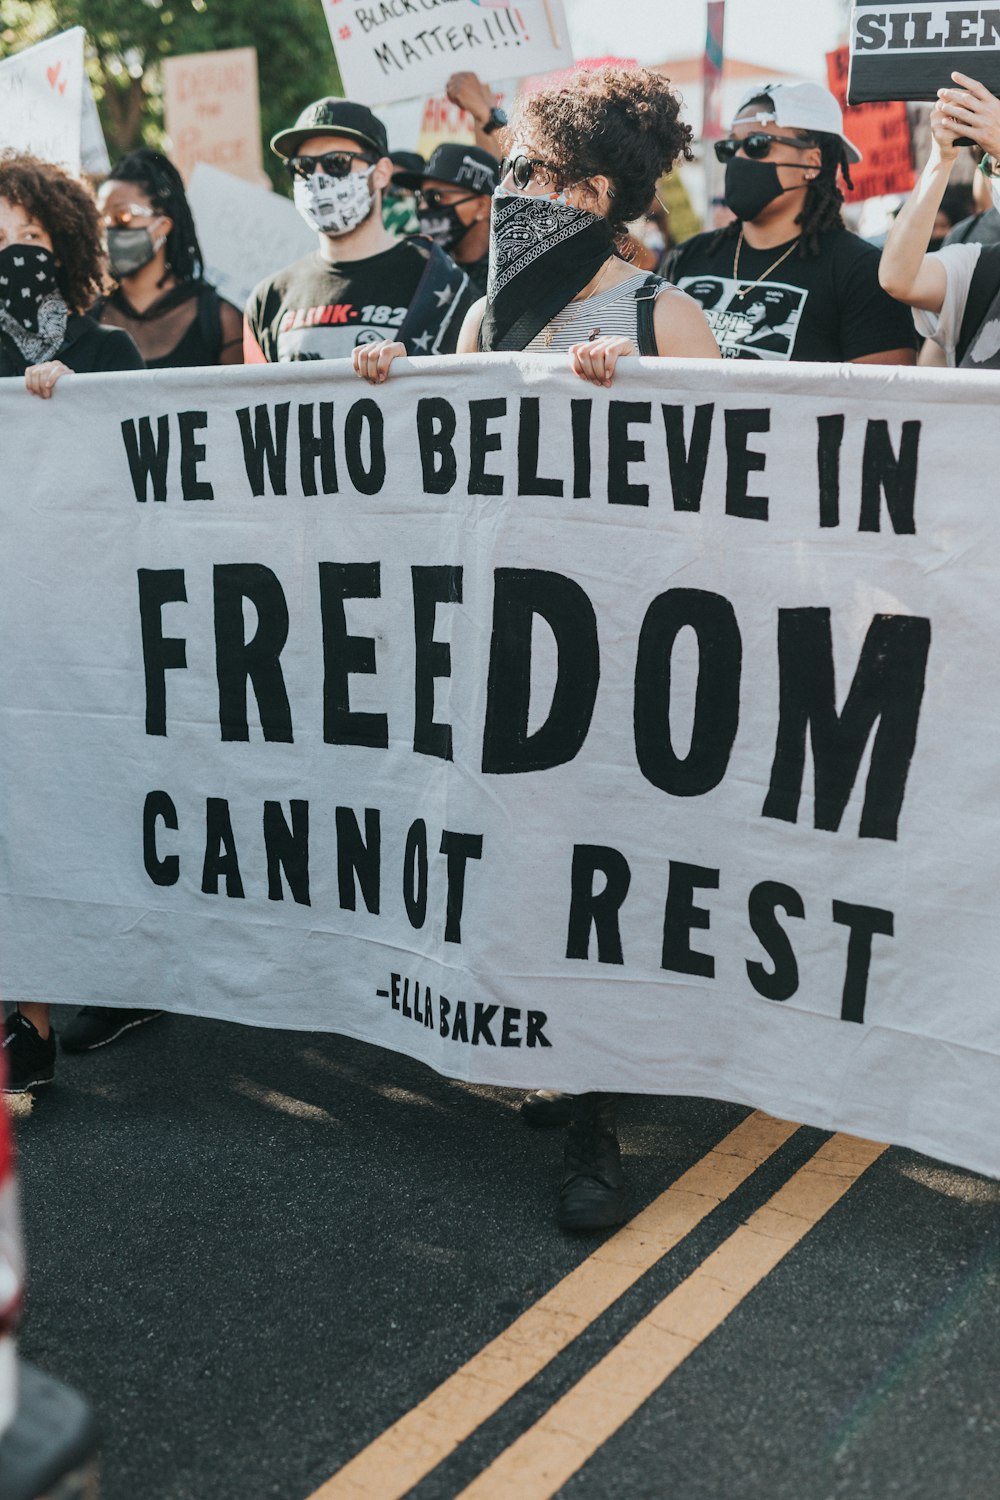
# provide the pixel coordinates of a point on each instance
(32, 312)
(335, 205)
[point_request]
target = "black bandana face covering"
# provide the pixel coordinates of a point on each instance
(32, 312)
(542, 253)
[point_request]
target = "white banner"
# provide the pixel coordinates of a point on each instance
(640, 738)
(402, 49)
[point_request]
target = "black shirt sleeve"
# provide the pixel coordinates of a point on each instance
(871, 322)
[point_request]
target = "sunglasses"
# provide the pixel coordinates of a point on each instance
(431, 198)
(123, 217)
(332, 163)
(756, 146)
(522, 169)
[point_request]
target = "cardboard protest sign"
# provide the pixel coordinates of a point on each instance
(43, 93)
(245, 232)
(639, 738)
(211, 105)
(402, 49)
(903, 50)
(880, 131)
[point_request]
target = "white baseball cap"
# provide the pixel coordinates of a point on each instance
(803, 106)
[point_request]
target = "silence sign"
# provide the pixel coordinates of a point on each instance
(639, 739)
(902, 50)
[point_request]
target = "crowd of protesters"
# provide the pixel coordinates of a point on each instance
(545, 236)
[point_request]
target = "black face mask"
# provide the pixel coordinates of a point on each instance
(443, 226)
(32, 311)
(129, 250)
(751, 186)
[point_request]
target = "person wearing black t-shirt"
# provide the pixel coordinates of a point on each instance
(362, 285)
(454, 194)
(786, 280)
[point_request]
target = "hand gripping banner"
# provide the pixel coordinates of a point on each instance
(641, 738)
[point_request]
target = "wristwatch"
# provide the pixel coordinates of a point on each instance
(988, 166)
(496, 121)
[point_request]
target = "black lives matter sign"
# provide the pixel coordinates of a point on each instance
(908, 51)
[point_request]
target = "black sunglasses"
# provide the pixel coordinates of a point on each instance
(522, 169)
(431, 198)
(333, 163)
(756, 146)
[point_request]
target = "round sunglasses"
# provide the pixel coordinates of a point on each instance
(757, 146)
(522, 169)
(332, 163)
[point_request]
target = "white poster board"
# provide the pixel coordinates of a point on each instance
(43, 97)
(245, 232)
(211, 106)
(401, 50)
(640, 738)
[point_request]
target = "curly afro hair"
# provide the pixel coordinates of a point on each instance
(623, 124)
(66, 210)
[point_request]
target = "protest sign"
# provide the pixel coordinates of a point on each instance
(245, 232)
(211, 106)
(880, 131)
(902, 50)
(636, 739)
(402, 49)
(42, 99)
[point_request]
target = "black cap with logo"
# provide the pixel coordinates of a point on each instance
(333, 117)
(467, 167)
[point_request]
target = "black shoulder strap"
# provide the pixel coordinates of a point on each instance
(645, 302)
(982, 293)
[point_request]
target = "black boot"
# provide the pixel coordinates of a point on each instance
(592, 1195)
(546, 1107)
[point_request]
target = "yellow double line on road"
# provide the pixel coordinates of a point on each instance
(543, 1458)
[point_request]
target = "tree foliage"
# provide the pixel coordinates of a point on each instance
(127, 40)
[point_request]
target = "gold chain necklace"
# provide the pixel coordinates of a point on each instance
(743, 291)
(549, 333)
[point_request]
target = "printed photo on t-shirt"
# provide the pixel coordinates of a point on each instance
(760, 323)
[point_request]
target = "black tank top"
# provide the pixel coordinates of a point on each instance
(173, 333)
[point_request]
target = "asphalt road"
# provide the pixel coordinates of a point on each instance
(256, 1251)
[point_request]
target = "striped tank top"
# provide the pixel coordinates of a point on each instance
(614, 312)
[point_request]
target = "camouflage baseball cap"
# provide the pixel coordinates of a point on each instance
(333, 117)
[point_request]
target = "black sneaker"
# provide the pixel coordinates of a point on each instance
(97, 1025)
(30, 1058)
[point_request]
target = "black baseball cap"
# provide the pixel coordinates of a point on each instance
(333, 117)
(406, 161)
(462, 166)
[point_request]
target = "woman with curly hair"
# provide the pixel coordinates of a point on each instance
(52, 270)
(584, 162)
(162, 299)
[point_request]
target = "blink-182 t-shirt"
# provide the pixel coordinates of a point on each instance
(319, 309)
(826, 307)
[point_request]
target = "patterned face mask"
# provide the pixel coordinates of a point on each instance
(542, 252)
(334, 205)
(32, 312)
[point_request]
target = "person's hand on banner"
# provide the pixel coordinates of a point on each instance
(373, 361)
(596, 360)
(969, 110)
(40, 380)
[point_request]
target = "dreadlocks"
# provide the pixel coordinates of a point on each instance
(824, 199)
(162, 184)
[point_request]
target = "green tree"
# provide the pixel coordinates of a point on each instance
(128, 39)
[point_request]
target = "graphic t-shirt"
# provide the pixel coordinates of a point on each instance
(319, 309)
(826, 307)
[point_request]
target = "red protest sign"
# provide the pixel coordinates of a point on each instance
(880, 131)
